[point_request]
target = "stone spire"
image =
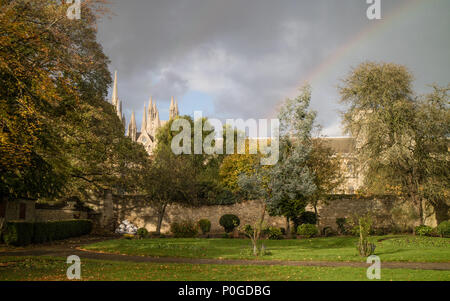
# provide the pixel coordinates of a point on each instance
(177, 112)
(119, 109)
(172, 109)
(132, 129)
(150, 116)
(124, 122)
(157, 121)
(114, 99)
(144, 121)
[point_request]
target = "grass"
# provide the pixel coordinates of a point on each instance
(54, 269)
(389, 248)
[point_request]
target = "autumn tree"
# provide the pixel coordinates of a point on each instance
(58, 135)
(402, 139)
(325, 165)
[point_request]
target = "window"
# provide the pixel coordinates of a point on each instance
(22, 210)
(2, 209)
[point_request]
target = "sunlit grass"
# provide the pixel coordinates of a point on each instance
(54, 269)
(389, 248)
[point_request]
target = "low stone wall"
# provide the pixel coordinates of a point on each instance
(386, 213)
(142, 215)
(44, 215)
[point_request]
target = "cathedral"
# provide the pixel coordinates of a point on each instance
(150, 120)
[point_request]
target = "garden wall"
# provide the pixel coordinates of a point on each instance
(386, 213)
(142, 215)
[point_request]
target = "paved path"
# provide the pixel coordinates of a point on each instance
(67, 249)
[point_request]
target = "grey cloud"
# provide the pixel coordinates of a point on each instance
(250, 54)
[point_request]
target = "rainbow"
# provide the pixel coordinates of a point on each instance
(378, 27)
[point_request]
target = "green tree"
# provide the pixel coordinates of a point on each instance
(325, 166)
(401, 140)
(58, 135)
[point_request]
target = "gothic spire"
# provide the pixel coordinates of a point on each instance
(171, 109)
(114, 99)
(176, 108)
(150, 116)
(132, 129)
(144, 121)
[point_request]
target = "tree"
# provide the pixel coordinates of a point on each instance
(58, 135)
(285, 186)
(291, 179)
(398, 136)
(325, 166)
(169, 180)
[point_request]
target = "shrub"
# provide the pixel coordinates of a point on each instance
(204, 225)
(274, 233)
(142, 233)
(341, 222)
(328, 231)
(307, 230)
(444, 229)
(24, 233)
(306, 217)
(229, 222)
(248, 230)
(183, 229)
(18, 233)
(364, 247)
(423, 230)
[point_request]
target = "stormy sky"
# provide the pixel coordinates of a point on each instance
(241, 58)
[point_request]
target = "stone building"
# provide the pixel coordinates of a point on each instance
(150, 120)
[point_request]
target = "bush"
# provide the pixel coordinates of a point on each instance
(274, 233)
(142, 233)
(423, 230)
(18, 233)
(364, 226)
(306, 217)
(328, 231)
(204, 225)
(444, 229)
(229, 222)
(24, 233)
(183, 229)
(341, 222)
(248, 230)
(307, 230)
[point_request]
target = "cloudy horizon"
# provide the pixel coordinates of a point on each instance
(241, 58)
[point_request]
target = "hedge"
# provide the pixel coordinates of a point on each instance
(24, 233)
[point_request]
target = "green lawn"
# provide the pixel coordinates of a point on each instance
(389, 248)
(54, 269)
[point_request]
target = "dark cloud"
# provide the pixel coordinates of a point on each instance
(250, 54)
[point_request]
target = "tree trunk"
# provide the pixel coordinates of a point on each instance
(161, 213)
(421, 213)
(288, 227)
(317, 215)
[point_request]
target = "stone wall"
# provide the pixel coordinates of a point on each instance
(386, 213)
(44, 215)
(142, 215)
